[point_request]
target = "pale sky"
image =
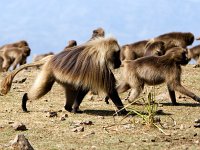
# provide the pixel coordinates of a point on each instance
(48, 25)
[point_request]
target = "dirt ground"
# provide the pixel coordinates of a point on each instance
(99, 129)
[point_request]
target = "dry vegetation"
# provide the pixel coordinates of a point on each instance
(106, 132)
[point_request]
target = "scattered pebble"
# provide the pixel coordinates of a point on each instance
(197, 125)
(19, 80)
(18, 126)
(63, 117)
(51, 114)
(197, 120)
(78, 129)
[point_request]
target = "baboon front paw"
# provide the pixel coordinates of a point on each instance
(77, 111)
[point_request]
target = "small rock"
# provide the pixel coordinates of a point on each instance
(20, 143)
(51, 114)
(18, 126)
(87, 122)
(197, 120)
(63, 117)
(159, 112)
(19, 80)
(100, 117)
(181, 127)
(195, 134)
(10, 122)
(78, 129)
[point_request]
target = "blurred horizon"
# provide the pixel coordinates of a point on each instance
(49, 25)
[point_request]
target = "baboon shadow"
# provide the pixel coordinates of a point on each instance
(182, 104)
(111, 113)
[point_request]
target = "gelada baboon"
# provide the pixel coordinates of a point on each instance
(156, 48)
(154, 70)
(99, 32)
(173, 39)
(14, 56)
(133, 51)
(194, 53)
(19, 44)
(71, 43)
(78, 70)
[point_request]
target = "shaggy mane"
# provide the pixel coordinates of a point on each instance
(86, 65)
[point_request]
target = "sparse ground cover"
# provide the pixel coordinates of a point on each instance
(105, 131)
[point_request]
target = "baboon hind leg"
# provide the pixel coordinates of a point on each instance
(41, 86)
(80, 95)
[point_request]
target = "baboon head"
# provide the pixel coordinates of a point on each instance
(27, 51)
(189, 38)
(99, 32)
(22, 43)
(72, 43)
(179, 55)
(155, 48)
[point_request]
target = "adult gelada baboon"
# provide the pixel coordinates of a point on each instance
(78, 70)
(194, 53)
(13, 56)
(133, 51)
(71, 43)
(154, 70)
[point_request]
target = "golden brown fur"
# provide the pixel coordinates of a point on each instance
(19, 44)
(79, 69)
(157, 48)
(154, 70)
(14, 56)
(133, 51)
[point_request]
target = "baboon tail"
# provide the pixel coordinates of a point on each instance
(7, 81)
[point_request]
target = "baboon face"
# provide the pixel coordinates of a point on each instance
(180, 55)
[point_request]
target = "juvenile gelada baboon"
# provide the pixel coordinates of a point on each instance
(14, 56)
(194, 53)
(19, 44)
(78, 70)
(71, 43)
(154, 70)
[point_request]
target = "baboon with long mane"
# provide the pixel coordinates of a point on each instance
(154, 70)
(78, 70)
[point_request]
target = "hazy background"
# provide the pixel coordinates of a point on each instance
(48, 25)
